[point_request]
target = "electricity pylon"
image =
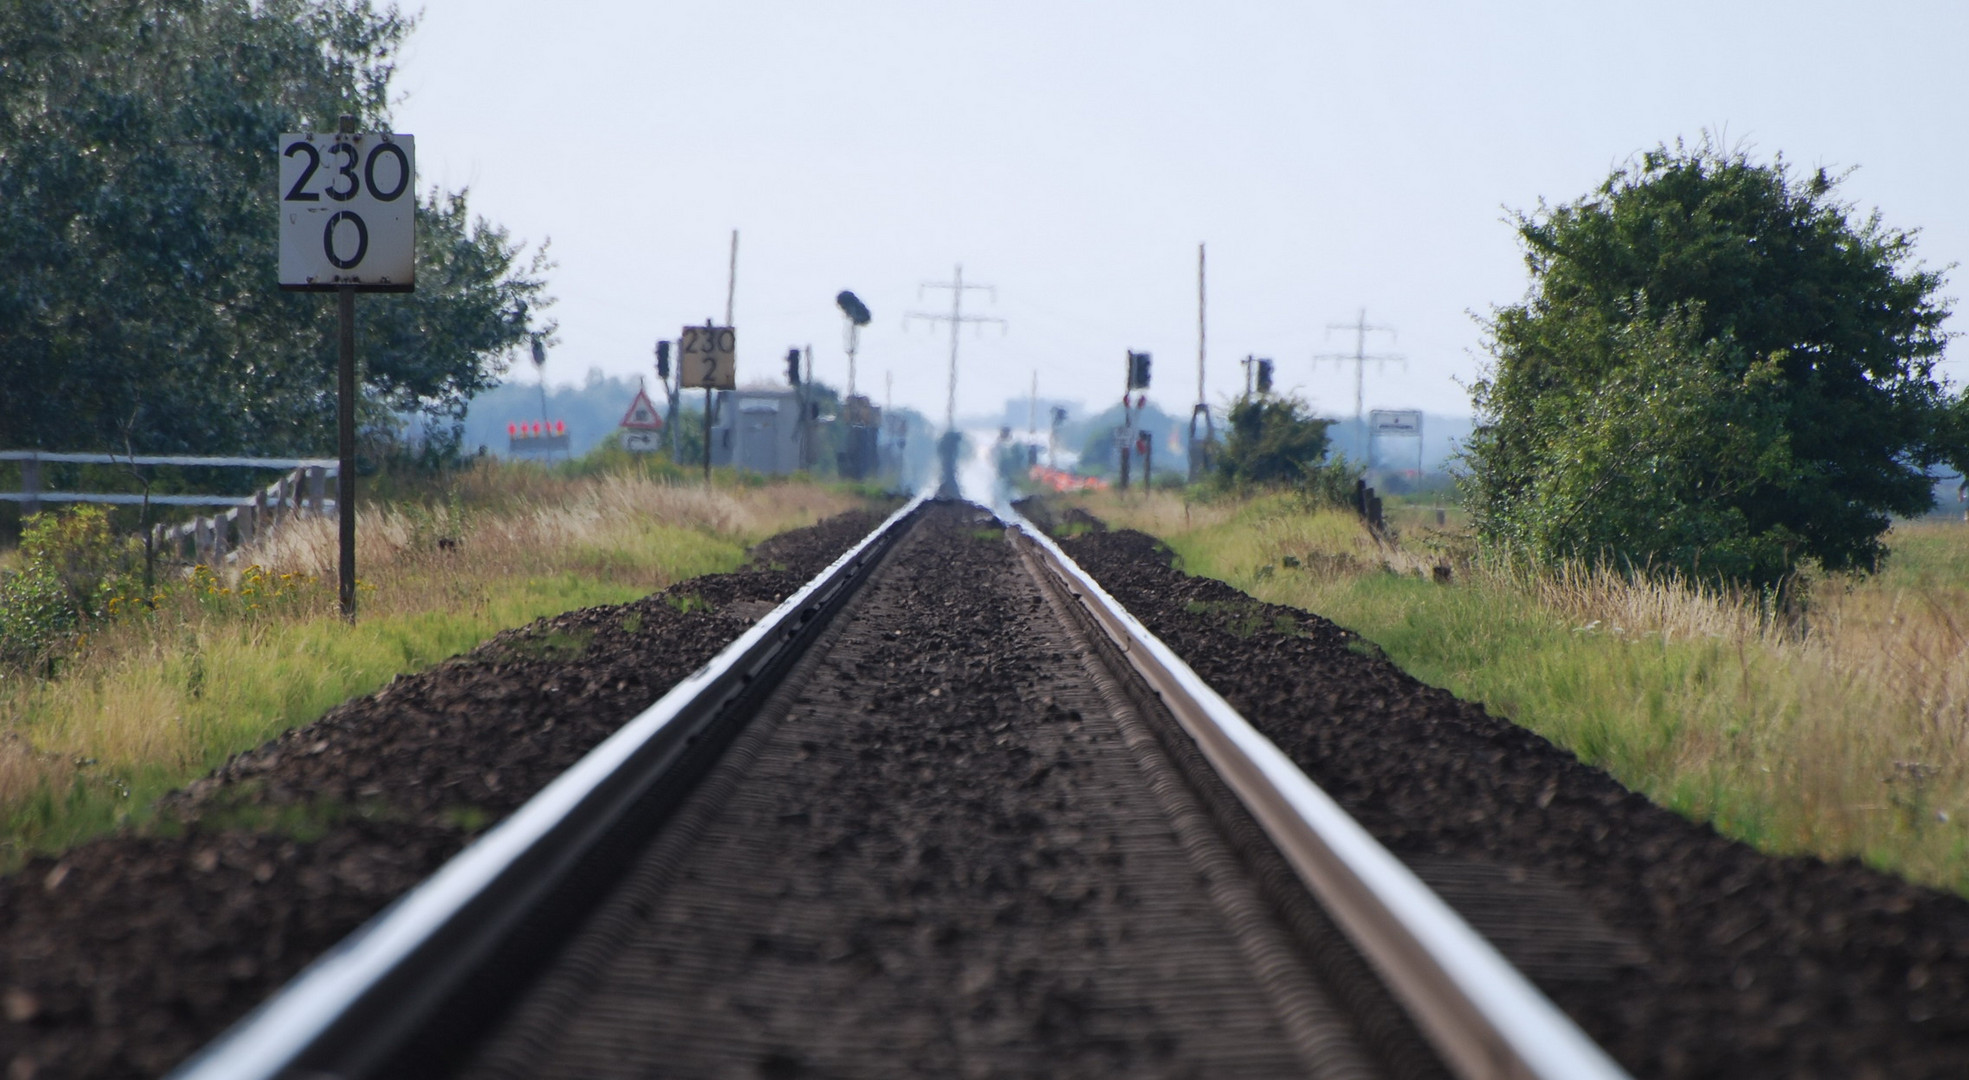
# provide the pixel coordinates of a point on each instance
(1360, 355)
(956, 319)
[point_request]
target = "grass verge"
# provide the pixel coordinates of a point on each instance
(228, 661)
(1846, 736)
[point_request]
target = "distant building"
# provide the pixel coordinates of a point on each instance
(758, 430)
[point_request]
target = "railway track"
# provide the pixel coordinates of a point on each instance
(947, 810)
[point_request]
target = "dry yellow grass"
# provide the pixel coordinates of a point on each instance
(1846, 734)
(235, 658)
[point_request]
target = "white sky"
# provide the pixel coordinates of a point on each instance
(1334, 156)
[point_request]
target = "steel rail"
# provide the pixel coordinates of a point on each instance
(1483, 1017)
(349, 1012)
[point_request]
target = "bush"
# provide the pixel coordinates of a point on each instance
(1721, 373)
(36, 615)
(73, 570)
(1272, 440)
(1331, 483)
(78, 549)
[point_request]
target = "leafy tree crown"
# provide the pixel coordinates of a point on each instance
(1720, 370)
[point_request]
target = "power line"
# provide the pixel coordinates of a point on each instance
(956, 319)
(1360, 355)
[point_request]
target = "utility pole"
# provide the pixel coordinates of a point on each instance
(947, 446)
(956, 319)
(1124, 436)
(1360, 355)
(1200, 443)
(731, 294)
(731, 279)
(805, 427)
(1201, 402)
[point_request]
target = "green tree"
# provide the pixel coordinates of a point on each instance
(1271, 440)
(1720, 371)
(138, 296)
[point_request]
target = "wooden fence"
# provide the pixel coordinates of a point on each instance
(210, 539)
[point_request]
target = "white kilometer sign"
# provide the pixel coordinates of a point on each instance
(707, 357)
(1395, 421)
(348, 208)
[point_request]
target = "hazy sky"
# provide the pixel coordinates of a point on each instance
(1333, 156)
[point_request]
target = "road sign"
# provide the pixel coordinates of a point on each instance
(707, 357)
(641, 442)
(348, 209)
(642, 414)
(1395, 422)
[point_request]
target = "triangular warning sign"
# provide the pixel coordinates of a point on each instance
(642, 415)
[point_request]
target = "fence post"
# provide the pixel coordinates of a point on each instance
(317, 481)
(243, 517)
(30, 486)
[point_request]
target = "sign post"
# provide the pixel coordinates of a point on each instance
(348, 210)
(707, 356)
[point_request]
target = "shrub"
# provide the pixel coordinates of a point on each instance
(73, 570)
(36, 615)
(1272, 440)
(1721, 373)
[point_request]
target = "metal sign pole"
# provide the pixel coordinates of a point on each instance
(345, 478)
(346, 228)
(707, 436)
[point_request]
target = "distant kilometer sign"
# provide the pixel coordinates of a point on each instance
(707, 357)
(348, 208)
(1395, 422)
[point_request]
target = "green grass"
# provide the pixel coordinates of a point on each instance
(147, 705)
(245, 685)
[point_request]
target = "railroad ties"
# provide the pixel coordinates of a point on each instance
(942, 813)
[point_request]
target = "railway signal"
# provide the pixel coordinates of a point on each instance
(348, 224)
(1259, 371)
(1138, 379)
(670, 393)
(858, 317)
